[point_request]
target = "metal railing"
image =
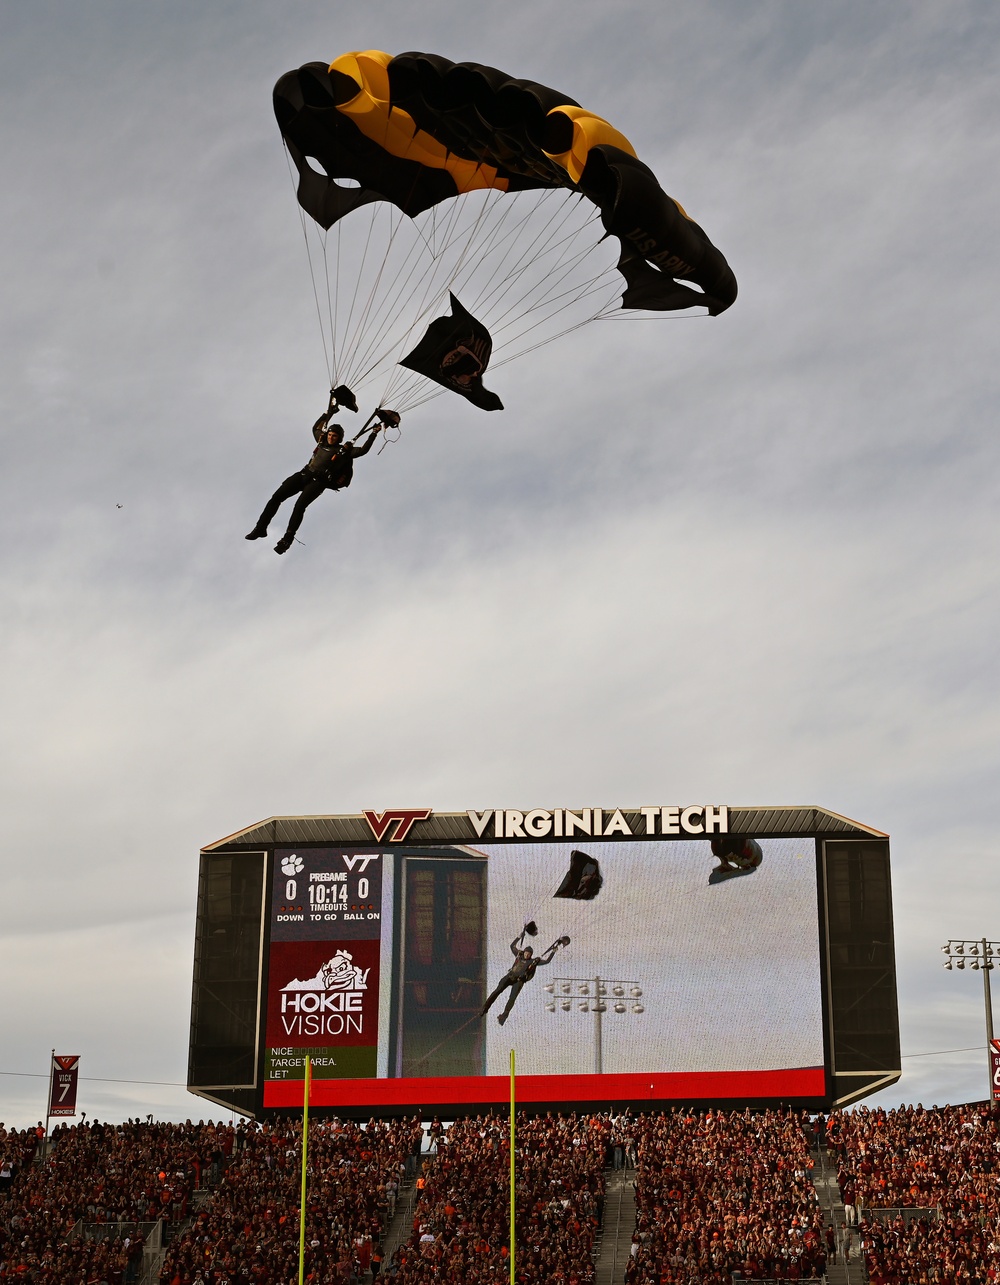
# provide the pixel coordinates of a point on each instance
(151, 1232)
(737, 1279)
(909, 1213)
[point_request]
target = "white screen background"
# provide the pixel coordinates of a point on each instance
(730, 973)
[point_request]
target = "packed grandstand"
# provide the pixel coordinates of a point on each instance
(718, 1196)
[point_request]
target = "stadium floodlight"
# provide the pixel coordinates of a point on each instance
(588, 995)
(979, 955)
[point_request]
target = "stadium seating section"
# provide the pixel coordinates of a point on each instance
(719, 1196)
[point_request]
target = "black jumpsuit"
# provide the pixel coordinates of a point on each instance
(521, 971)
(328, 469)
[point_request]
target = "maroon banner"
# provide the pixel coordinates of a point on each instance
(65, 1072)
(995, 1068)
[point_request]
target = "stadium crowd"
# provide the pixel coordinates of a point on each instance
(942, 1165)
(460, 1227)
(97, 1173)
(249, 1232)
(720, 1194)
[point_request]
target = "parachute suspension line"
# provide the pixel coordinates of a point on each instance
(521, 352)
(395, 303)
(625, 314)
(556, 303)
(497, 210)
(568, 258)
(415, 393)
(336, 291)
(329, 309)
(556, 239)
(513, 270)
(312, 274)
(492, 199)
(388, 310)
(400, 377)
(492, 245)
(361, 328)
(357, 284)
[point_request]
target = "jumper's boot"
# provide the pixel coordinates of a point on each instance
(284, 544)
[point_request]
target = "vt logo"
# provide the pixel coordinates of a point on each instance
(401, 818)
(361, 862)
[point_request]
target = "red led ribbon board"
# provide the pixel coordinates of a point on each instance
(686, 1086)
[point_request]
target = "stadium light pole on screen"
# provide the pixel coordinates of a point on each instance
(979, 955)
(588, 995)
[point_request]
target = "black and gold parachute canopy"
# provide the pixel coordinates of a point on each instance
(417, 129)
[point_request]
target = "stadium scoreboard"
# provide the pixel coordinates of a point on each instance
(688, 954)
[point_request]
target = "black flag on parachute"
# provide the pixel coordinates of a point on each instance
(455, 352)
(583, 879)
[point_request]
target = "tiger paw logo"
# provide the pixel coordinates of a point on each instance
(292, 865)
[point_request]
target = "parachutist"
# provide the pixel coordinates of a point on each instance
(521, 971)
(331, 468)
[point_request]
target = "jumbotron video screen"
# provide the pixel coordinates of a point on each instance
(623, 968)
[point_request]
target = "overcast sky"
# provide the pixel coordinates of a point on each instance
(751, 559)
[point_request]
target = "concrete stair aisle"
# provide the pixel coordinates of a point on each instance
(401, 1223)
(824, 1178)
(617, 1229)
